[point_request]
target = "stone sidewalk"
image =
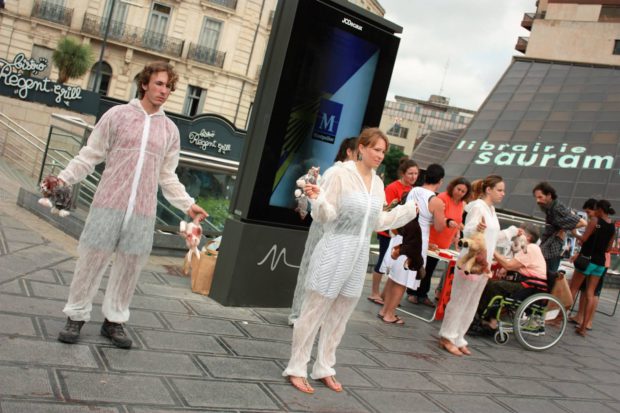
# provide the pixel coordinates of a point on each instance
(191, 354)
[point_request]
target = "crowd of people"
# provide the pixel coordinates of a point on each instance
(350, 203)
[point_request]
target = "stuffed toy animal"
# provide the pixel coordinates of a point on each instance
(518, 244)
(56, 195)
(475, 260)
(192, 232)
(312, 177)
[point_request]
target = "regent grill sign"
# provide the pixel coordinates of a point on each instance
(212, 135)
(535, 154)
(16, 80)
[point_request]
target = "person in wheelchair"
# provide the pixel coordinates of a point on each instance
(525, 274)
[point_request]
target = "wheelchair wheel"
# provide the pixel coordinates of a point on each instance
(501, 337)
(539, 322)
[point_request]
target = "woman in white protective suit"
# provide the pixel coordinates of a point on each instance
(349, 205)
(140, 147)
(346, 152)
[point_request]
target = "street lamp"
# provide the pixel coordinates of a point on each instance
(105, 39)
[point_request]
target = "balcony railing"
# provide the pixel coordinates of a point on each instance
(132, 35)
(52, 12)
(521, 45)
(527, 20)
(206, 55)
(229, 4)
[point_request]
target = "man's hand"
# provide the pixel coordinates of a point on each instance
(196, 213)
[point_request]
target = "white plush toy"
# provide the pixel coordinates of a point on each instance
(192, 232)
(312, 177)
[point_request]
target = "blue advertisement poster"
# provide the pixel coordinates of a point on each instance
(330, 102)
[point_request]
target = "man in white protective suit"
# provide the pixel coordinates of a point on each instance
(140, 147)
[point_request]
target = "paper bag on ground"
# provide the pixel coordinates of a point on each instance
(561, 291)
(202, 271)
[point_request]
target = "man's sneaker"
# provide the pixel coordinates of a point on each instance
(71, 333)
(116, 333)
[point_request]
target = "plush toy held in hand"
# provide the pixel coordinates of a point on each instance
(312, 177)
(192, 232)
(475, 261)
(56, 195)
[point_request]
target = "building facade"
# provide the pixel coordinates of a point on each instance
(408, 120)
(217, 46)
(585, 31)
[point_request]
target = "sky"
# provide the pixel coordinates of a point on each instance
(475, 38)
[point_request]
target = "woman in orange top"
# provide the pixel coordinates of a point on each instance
(453, 198)
(408, 171)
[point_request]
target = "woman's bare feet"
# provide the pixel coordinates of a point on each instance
(449, 347)
(465, 350)
(301, 384)
(331, 383)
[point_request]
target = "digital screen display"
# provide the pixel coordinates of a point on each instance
(331, 83)
(330, 103)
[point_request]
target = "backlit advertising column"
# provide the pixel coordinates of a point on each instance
(325, 77)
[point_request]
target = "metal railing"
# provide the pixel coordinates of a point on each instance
(27, 154)
(206, 55)
(46, 10)
(133, 35)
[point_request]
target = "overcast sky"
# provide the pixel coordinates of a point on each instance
(476, 38)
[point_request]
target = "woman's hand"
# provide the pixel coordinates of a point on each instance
(482, 225)
(312, 191)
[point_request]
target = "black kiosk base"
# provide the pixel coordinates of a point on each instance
(257, 265)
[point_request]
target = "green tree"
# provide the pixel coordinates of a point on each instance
(72, 58)
(390, 164)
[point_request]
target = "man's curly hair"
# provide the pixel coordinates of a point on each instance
(144, 76)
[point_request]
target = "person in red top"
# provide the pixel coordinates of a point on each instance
(408, 171)
(453, 198)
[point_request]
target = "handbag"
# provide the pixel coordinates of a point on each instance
(581, 262)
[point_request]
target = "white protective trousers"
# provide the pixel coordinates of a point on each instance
(141, 151)
(331, 316)
(461, 308)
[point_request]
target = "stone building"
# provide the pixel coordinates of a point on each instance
(217, 46)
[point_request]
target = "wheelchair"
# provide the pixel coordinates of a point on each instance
(538, 320)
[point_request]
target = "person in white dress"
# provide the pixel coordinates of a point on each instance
(346, 152)
(349, 205)
(466, 293)
(431, 213)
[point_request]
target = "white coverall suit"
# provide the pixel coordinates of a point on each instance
(140, 151)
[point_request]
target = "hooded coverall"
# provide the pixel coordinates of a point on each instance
(140, 152)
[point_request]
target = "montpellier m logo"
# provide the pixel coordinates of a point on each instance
(276, 257)
(327, 120)
(349, 23)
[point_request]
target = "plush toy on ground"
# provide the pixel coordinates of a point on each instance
(192, 232)
(312, 177)
(475, 261)
(56, 195)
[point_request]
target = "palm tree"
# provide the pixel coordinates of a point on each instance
(72, 58)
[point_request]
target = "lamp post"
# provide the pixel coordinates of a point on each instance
(103, 44)
(105, 39)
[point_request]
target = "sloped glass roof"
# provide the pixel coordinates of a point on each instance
(546, 121)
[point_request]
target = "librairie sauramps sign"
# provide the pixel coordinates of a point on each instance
(535, 154)
(16, 80)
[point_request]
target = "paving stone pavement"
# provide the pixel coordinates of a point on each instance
(192, 354)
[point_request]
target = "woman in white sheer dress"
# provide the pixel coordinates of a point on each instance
(349, 205)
